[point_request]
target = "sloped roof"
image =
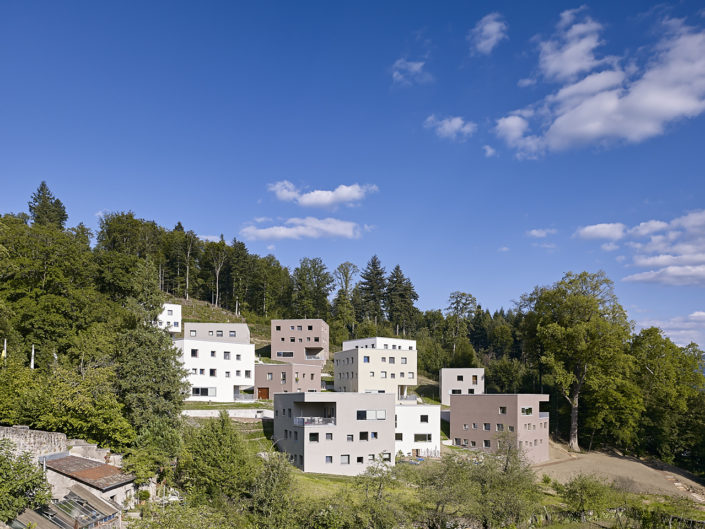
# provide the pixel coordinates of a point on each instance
(97, 475)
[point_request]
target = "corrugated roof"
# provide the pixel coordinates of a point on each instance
(97, 475)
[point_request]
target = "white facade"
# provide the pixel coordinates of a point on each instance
(460, 381)
(380, 343)
(418, 430)
(170, 318)
(219, 360)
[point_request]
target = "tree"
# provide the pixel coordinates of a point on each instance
(343, 309)
(46, 209)
(582, 330)
(399, 300)
(373, 286)
(584, 493)
(190, 248)
(460, 306)
(272, 493)
(22, 483)
(312, 284)
(217, 254)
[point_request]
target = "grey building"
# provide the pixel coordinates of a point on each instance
(302, 341)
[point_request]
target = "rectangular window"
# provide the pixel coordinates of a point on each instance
(456, 391)
(212, 354)
(313, 437)
(227, 374)
(211, 372)
(384, 359)
(372, 374)
(292, 339)
(474, 379)
(401, 375)
(299, 328)
(291, 328)
(411, 374)
(502, 410)
(386, 456)
(219, 334)
(194, 353)
(360, 459)
(329, 459)
(473, 444)
(226, 355)
(316, 339)
(465, 427)
(392, 360)
(398, 436)
(363, 436)
(424, 418)
(345, 459)
(487, 426)
(527, 411)
(278, 327)
(350, 438)
(232, 334)
(383, 374)
(403, 360)
(365, 359)
(486, 443)
(500, 427)
(471, 391)
(422, 437)
(210, 333)
(269, 376)
(329, 436)
(194, 371)
(192, 333)
(456, 441)
(285, 354)
(465, 442)
(201, 371)
(237, 373)
(248, 373)
(460, 378)
(474, 426)
(511, 428)
(373, 435)
(392, 375)
(310, 327)
(170, 312)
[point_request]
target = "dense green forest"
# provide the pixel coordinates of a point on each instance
(86, 302)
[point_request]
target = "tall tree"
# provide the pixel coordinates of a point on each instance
(46, 209)
(460, 306)
(373, 286)
(190, 249)
(312, 284)
(399, 300)
(22, 483)
(583, 331)
(343, 309)
(217, 254)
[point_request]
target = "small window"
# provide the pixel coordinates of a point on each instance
(527, 411)
(392, 360)
(424, 418)
(278, 327)
(373, 435)
(329, 436)
(486, 443)
(500, 427)
(226, 355)
(248, 373)
(399, 436)
(194, 353)
(474, 379)
(329, 460)
(392, 375)
(316, 339)
(460, 378)
(192, 333)
(384, 359)
(201, 371)
(422, 437)
(350, 438)
(292, 339)
(299, 328)
(411, 374)
(345, 459)
(511, 428)
(219, 334)
(364, 436)
(211, 372)
(360, 460)
(194, 371)
(210, 333)
(170, 312)
(365, 359)
(487, 426)
(403, 360)
(237, 373)
(231, 334)
(313, 437)
(310, 327)
(212, 354)
(465, 427)
(502, 410)
(383, 374)
(474, 426)
(372, 374)
(227, 374)
(471, 391)
(456, 391)
(473, 444)
(465, 442)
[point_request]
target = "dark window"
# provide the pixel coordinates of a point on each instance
(424, 418)
(194, 353)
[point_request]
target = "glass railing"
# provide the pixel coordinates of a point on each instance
(314, 421)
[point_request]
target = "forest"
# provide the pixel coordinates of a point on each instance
(87, 301)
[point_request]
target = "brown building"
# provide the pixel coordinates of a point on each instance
(300, 341)
(286, 378)
(477, 421)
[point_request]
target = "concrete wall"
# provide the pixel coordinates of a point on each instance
(477, 420)
(218, 332)
(242, 413)
(380, 343)
(460, 381)
(342, 434)
(375, 370)
(300, 341)
(36, 442)
(414, 420)
(231, 375)
(287, 378)
(170, 318)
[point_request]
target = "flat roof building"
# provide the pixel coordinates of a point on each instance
(478, 421)
(286, 378)
(376, 365)
(301, 341)
(334, 433)
(170, 318)
(460, 381)
(417, 430)
(220, 360)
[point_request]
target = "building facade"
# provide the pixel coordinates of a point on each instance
(170, 318)
(334, 433)
(417, 430)
(376, 365)
(460, 381)
(220, 360)
(286, 378)
(302, 341)
(478, 422)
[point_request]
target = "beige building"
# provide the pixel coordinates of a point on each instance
(334, 433)
(286, 378)
(460, 381)
(377, 365)
(300, 341)
(477, 421)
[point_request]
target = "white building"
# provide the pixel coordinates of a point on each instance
(376, 365)
(417, 430)
(220, 360)
(170, 318)
(460, 381)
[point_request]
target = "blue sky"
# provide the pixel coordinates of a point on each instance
(484, 147)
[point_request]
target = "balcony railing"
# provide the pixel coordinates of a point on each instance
(314, 421)
(408, 397)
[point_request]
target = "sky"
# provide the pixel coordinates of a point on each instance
(486, 147)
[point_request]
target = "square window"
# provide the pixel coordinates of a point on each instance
(316, 339)
(232, 333)
(310, 327)
(350, 438)
(474, 426)
(473, 444)
(363, 436)
(384, 359)
(238, 356)
(192, 333)
(283, 339)
(471, 391)
(219, 334)
(502, 410)
(371, 458)
(291, 328)
(201, 371)
(487, 426)
(299, 328)
(500, 427)
(373, 435)
(194, 371)
(391, 360)
(411, 374)
(194, 353)
(424, 418)
(237, 373)
(360, 459)
(210, 333)
(226, 355)
(292, 339)
(399, 436)
(329, 459)
(511, 428)
(278, 327)
(401, 375)
(313, 437)
(383, 374)
(460, 378)
(465, 427)
(392, 375)
(170, 312)
(329, 436)
(211, 372)
(486, 443)
(345, 459)
(212, 354)
(365, 359)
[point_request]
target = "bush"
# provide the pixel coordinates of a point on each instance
(546, 479)
(586, 494)
(143, 495)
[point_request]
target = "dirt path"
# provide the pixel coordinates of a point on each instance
(626, 471)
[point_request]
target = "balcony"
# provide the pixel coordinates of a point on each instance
(543, 415)
(314, 421)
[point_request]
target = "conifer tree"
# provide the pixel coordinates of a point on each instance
(46, 209)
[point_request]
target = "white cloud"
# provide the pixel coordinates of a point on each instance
(540, 233)
(671, 275)
(487, 33)
(410, 72)
(613, 231)
(527, 81)
(609, 247)
(682, 330)
(452, 128)
(648, 227)
(308, 227)
(503, 249)
(260, 220)
(489, 151)
(599, 100)
(287, 192)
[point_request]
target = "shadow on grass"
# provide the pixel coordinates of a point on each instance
(445, 428)
(264, 351)
(429, 391)
(268, 427)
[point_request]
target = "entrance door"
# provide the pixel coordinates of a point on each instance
(263, 393)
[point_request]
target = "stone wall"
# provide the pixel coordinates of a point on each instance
(36, 442)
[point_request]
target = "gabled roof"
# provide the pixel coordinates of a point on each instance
(92, 473)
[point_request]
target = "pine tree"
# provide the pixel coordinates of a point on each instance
(373, 286)
(46, 209)
(399, 300)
